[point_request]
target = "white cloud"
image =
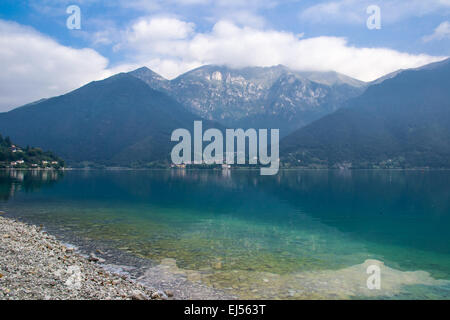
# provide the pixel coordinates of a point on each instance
(354, 11)
(440, 33)
(35, 66)
(240, 17)
(230, 44)
(160, 28)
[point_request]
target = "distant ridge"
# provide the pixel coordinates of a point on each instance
(395, 73)
(127, 119)
(401, 122)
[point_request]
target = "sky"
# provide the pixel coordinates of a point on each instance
(41, 55)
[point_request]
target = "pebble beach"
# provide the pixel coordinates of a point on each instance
(36, 266)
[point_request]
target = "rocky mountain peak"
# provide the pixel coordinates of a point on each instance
(257, 96)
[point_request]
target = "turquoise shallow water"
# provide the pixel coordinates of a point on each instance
(300, 234)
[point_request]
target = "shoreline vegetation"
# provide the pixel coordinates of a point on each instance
(13, 156)
(36, 266)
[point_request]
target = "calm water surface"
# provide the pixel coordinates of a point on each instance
(300, 234)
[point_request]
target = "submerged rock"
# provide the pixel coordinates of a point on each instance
(94, 258)
(169, 293)
(139, 295)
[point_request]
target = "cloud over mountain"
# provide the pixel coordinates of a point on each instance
(180, 48)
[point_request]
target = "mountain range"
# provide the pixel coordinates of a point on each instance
(257, 97)
(403, 121)
(116, 121)
(326, 119)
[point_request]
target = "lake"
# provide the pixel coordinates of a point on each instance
(301, 234)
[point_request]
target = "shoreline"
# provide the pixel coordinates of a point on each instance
(84, 270)
(37, 266)
(427, 169)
